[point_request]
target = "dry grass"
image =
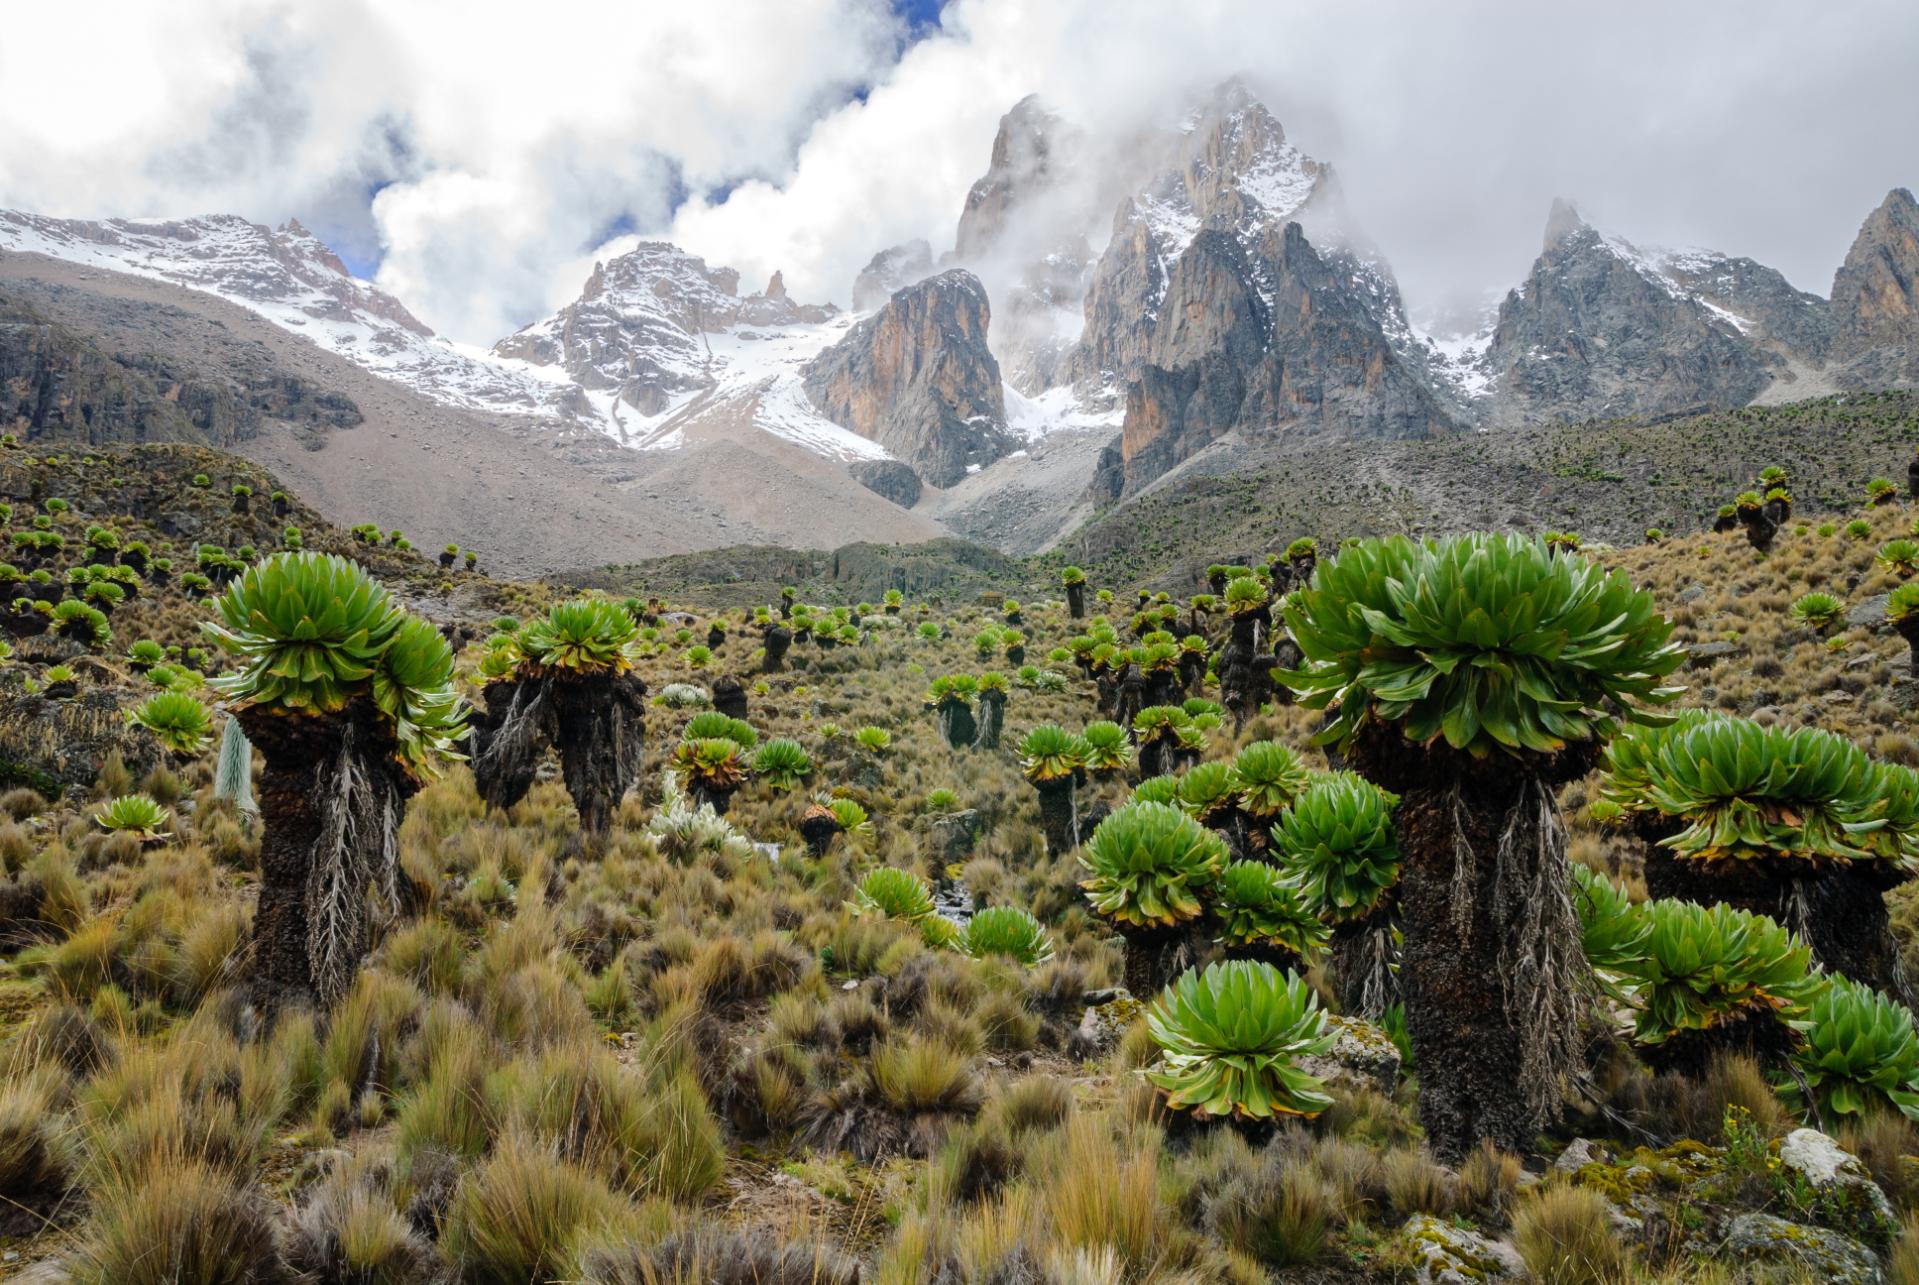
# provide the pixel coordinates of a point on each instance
(648, 1058)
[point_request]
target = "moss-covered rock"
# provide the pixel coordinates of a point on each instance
(1449, 1255)
(1765, 1238)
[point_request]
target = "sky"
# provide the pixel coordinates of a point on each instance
(473, 157)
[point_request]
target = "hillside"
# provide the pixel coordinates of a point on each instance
(1609, 480)
(679, 1050)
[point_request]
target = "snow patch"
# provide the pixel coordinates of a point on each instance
(1057, 409)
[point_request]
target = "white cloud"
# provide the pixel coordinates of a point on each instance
(507, 135)
(1763, 129)
(510, 136)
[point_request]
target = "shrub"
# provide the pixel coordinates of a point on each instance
(1245, 595)
(1338, 842)
(875, 740)
(1051, 753)
(1228, 1039)
(685, 696)
(1817, 609)
(1705, 967)
(523, 1214)
(1747, 791)
(1900, 556)
(308, 630)
(714, 725)
(1860, 1053)
(894, 894)
(1268, 777)
(1566, 1234)
(134, 814)
(1257, 905)
(1859, 529)
(1107, 748)
(1147, 863)
(1006, 931)
(1207, 789)
(582, 636)
(1395, 629)
(1157, 789)
(782, 764)
(851, 816)
(177, 1220)
(1613, 932)
(182, 724)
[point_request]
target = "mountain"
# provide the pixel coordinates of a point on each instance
(1600, 327)
(918, 378)
(641, 326)
(1213, 310)
(889, 270)
(1023, 230)
(1875, 297)
(1111, 320)
(290, 277)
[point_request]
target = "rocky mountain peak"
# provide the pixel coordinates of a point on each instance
(1562, 222)
(1227, 168)
(1030, 152)
(918, 378)
(1237, 167)
(1875, 295)
(1604, 327)
(896, 266)
(639, 327)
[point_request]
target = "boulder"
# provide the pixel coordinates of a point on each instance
(1827, 1255)
(1362, 1056)
(1703, 655)
(1869, 612)
(953, 834)
(888, 479)
(1102, 1026)
(1839, 1177)
(1449, 1255)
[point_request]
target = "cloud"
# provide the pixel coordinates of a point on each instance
(480, 149)
(500, 138)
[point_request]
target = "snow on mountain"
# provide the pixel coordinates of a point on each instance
(1058, 409)
(290, 277)
(1665, 267)
(754, 376)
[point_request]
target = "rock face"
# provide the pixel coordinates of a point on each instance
(638, 328)
(59, 385)
(1230, 171)
(1600, 328)
(1211, 311)
(1274, 340)
(1875, 297)
(888, 271)
(918, 378)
